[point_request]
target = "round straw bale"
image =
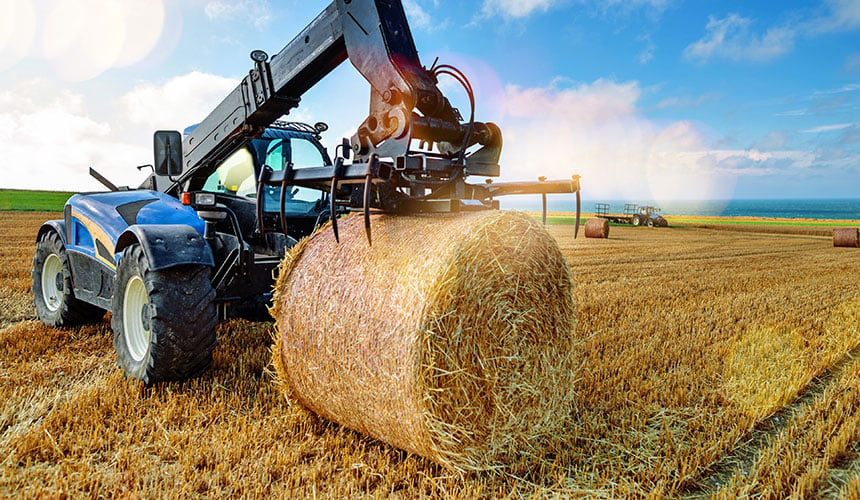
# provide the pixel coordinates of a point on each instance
(846, 237)
(450, 337)
(597, 228)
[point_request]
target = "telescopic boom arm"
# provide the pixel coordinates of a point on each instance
(406, 105)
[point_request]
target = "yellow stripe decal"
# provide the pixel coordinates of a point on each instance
(99, 235)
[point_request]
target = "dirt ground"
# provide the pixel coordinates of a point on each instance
(711, 364)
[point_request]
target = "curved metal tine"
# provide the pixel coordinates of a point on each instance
(332, 207)
(576, 229)
(288, 175)
(283, 203)
(367, 185)
(332, 213)
(265, 172)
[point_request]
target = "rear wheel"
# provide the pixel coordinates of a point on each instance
(53, 295)
(163, 321)
(636, 220)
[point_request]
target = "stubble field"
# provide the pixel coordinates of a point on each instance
(710, 363)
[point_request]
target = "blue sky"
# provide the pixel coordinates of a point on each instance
(647, 99)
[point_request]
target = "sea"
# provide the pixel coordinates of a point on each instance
(807, 208)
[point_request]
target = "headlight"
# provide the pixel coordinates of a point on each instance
(204, 199)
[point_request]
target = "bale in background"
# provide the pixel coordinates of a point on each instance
(597, 228)
(846, 237)
(449, 337)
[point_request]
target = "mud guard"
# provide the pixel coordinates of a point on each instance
(58, 226)
(167, 245)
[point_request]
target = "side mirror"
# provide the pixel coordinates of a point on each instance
(167, 146)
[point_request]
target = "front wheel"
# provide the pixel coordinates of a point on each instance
(163, 321)
(53, 296)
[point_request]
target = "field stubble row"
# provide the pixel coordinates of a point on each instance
(690, 340)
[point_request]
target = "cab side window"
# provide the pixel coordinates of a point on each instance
(234, 176)
(302, 154)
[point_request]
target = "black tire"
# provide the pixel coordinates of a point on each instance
(649, 222)
(178, 307)
(636, 220)
(54, 297)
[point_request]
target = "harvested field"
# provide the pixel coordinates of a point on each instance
(708, 363)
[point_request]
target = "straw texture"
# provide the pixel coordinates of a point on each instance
(597, 228)
(449, 337)
(846, 237)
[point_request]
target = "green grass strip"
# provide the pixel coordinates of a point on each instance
(33, 201)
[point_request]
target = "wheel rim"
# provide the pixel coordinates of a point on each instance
(635, 220)
(51, 292)
(137, 334)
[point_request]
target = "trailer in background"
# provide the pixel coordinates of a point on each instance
(634, 215)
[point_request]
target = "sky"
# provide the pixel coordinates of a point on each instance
(646, 99)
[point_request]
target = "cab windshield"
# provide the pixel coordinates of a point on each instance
(236, 175)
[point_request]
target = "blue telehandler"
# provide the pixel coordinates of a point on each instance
(200, 240)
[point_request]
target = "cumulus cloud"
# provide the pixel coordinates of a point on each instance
(732, 38)
(50, 144)
(599, 131)
(417, 15)
(179, 102)
(257, 12)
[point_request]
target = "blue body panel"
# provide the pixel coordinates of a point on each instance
(96, 221)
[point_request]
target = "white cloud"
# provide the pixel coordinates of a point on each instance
(50, 144)
(658, 4)
(731, 38)
(179, 102)
(516, 9)
(647, 54)
(59, 159)
(257, 12)
(851, 87)
(793, 112)
(844, 15)
(827, 128)
(418, 17)
(598, 130)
